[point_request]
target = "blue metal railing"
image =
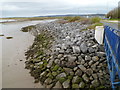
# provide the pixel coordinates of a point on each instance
(112, 48)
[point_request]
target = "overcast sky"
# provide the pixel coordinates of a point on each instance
(23, 8)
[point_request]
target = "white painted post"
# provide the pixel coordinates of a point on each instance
(99, 34)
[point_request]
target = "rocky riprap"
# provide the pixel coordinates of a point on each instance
(66, 56)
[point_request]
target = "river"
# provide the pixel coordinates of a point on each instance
(12, 51)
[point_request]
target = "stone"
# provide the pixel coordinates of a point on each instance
(90, 63)
(49, 86)
(101, 54)
(61, 75)
(83, 47)
(76, 79)
(75, 86)
(71, 58)
(57, 61)
(95, 58)
(71, 64)
(76, 49)
(82, 68)
(95, 83)
(68, 70)
(95, 76)
(78, 73)
(66, 84)
(89, 71)
(75, 68)
(82, 85)
(85, 78)
(91, 50)
(58, 85)
(48, 81)
(80, 58)
(87, 58)
(60, 56)
(82, 62)
(61, 51)
(49, 63)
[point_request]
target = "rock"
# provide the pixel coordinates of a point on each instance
(76, 49)
(95, 83)
(81, 85)
(78, 73)
(61, 51)
(76, 79)
(90, 63)
(85, 78)
(66, 84)
(55, 68)
(95, 76)
(75, 86)
(68, 70)
(87, 58)
(82, 62)
(49, 63)
(60, 56)
(91, 50)
(71, 58)
(75, 68)
(21, 60)
(80, 58)
(101, 54)
(48, 81)
(61, 75)
(71, 64)
(82, 68)
(89, 71)
(49, 86)
(57, 61)
(95, 58)
(58, 85)
(83, 47)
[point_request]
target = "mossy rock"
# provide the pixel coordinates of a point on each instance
(50, 75)
(70, 77)
(54, 74)
(100, 87)
(61, 80)
(75, 86)
(55, 68)
(41, 66)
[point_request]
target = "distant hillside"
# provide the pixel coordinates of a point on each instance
(73, 15)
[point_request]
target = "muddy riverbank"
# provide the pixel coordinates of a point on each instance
(13, 73)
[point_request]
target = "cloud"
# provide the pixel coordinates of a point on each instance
(48, 7)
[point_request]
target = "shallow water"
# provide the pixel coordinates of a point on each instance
(13, 73)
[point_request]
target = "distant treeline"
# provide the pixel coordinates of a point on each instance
(114, 14)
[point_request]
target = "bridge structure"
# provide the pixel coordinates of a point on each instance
(111, 43)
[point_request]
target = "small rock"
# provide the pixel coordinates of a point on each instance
(95, 76)
(48, 81)
(101, 54)
(78, 73)
(75, 86)
(61, 75)
(68, 70)
(60, 56)
(82, 68)
(83, 47)
(21, 60)
(81, 85)
(58, 85)
(71, 64)
(85, 78)
(50, 64)
(91, 50)
(76, 79)
(95, 83)
(87, 58)
(66, 84)
(76, 49)
(71, 58)
(75, 68)
(90, 63)
(89, 71)
(95, 58)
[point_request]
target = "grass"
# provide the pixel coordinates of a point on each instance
(94, 25)
(72, 19)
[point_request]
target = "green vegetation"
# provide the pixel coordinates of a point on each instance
(95, 20)
(114, 14)
(94, 25)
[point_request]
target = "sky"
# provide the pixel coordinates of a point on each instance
(28, 8)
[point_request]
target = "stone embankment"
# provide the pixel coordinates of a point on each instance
(67, 56)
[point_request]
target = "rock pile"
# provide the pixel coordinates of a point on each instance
(75, 59)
